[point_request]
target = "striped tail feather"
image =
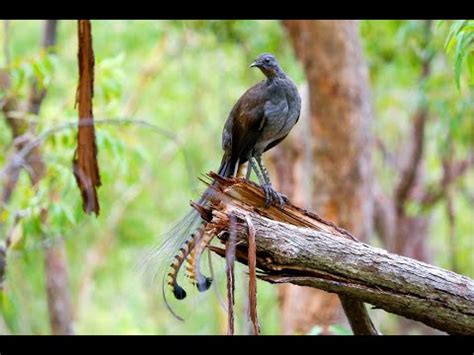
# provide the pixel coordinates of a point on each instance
(190, 230)
(185, 250)
(198, 238)
(193, 270)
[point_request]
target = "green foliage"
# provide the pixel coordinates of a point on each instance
(316, 330)
(169, 73)
(333, 329)
(183, 77)
(340, 330)
(395, 69)
(460, 45)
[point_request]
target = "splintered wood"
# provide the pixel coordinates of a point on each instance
(238, 194)
(244, 199)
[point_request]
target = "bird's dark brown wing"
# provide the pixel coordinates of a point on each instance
(245, 122)
(276, 142)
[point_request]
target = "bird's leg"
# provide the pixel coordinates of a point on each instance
(249, 168)
(270, 193)
(254, 166)
(262, 180)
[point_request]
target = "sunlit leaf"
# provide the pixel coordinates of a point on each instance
(316, 330)
(16, 235)
(454, 31)
(339, 330)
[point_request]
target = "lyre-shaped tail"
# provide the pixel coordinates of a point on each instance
(183, 253)
(193, 246)
(193, 270)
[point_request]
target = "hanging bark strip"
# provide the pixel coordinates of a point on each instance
(85, 166)
(252, 261)
(230, 261)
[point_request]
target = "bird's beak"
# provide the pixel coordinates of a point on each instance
(254, 64)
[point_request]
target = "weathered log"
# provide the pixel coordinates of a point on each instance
(299, 247)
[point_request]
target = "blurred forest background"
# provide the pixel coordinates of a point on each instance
(182, 77)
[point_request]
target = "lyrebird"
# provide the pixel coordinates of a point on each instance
(261, 118)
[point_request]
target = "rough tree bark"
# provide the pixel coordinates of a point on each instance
(294, 245)
(340, 116)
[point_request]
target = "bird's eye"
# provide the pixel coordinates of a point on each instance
(267, 60)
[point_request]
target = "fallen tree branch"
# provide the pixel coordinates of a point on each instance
(299, 247)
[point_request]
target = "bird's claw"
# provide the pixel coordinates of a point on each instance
(271, 196)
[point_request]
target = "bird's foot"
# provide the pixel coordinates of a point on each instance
(271, 195)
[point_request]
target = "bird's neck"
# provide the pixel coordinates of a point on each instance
(274, 73)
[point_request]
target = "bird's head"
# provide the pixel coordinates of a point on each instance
(268, 64)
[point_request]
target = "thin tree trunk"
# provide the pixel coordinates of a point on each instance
(57, 288)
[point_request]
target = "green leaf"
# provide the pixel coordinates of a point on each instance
(464, 42)
(68, 213)
(315, 330)
(18, 76)
(470, 66)
(440, 23)
(469, 27)
(451, 40)
(48, 62)
(38, 71)
(340, 330)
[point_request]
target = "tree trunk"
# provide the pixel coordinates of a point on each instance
(57, 289)
(340, 117)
